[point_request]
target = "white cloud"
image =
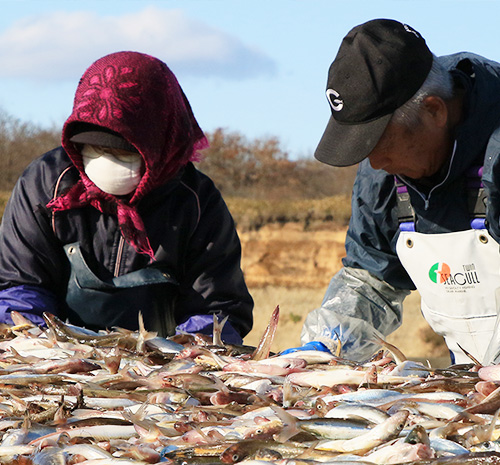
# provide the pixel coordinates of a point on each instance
(61, 45)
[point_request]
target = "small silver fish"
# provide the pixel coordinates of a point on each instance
(381, 433)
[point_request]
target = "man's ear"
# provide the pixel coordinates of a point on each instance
(437, 109)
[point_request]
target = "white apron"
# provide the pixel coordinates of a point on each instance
(457, 275)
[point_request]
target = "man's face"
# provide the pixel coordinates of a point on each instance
(416, 153)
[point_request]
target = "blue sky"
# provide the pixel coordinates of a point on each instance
(258, 67)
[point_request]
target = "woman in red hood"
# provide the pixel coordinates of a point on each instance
(117, 221)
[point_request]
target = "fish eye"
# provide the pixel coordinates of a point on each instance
(236, 457)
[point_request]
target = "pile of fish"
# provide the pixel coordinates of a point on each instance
(69, 395)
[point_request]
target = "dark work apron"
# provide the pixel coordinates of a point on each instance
(97, 304)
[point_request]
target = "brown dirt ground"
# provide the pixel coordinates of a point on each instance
(287, 266)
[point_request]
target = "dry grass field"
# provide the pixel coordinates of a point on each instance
(287, 266)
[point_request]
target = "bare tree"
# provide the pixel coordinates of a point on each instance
(20, 143)
(261, 169)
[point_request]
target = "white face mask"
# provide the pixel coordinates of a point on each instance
(116, 174)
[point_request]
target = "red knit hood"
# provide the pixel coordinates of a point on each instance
(138, 97)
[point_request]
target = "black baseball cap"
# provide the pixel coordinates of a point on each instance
(380, 65)
(84, 133)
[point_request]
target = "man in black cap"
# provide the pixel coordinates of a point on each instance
(426, 199)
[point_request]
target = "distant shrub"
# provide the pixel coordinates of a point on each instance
(294, 317)
(252, 214)
(260, 169)
(21, 143)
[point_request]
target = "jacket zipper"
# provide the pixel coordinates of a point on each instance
(119, 256)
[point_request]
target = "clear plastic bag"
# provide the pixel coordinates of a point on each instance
(357, 308)
(358, 339)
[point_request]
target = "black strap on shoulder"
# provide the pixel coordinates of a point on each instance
(476, 197)
(406, 213)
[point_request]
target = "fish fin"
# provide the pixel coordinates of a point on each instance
(309, 452)
(147, 430)
(287, 393)
(198, 429)
(137, 416)
(17, 356)
(264, 348)
(20, 322)
(370, 378)
(60, 416)
(399, 357)
(18, 403)
(215, 357)
(474, 360)
(485, 432)
(219, 383)
(289, 424)
(217, 331)
(338, 349)
(417, 435)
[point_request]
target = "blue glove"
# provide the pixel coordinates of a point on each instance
(30, 301)
(313, 345)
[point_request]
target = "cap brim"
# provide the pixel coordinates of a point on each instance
(348, 144)
(104, 139)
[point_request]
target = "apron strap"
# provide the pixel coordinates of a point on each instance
(476, 201)
(476, 196)
(406, 213)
